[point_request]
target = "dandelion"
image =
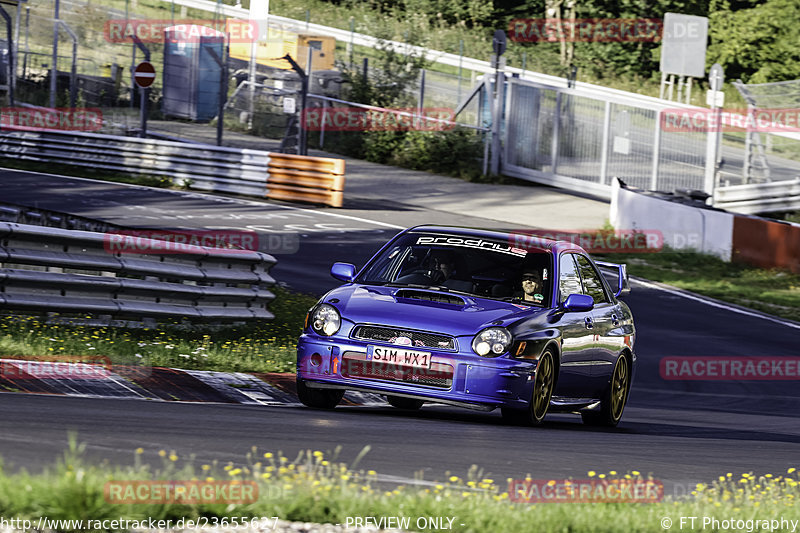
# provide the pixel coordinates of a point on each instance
(139, 451)
(613, 473)
(162, 453)
(635, 472)
(235, 472)
(268, 455)
(592, 473)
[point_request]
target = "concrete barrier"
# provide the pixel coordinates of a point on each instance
(684, 227)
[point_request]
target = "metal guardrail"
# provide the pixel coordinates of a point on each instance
(66, 272)
(206, 167)
(36, 216)
(748, 199)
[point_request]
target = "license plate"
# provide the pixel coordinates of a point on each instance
(399, 356)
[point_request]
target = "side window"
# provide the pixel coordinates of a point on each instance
(569, 281)
(591, 280)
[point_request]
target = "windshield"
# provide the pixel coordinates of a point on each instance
(467, 265)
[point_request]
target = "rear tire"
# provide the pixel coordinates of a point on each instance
(318, 398)
(614, 398)
(409, 404)
(540, 398)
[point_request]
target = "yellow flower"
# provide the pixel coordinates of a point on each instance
(613, 473)
(139, 451)
(206, 468)
(635, 472)
(791, 470)
(162, 453)
(372, 473)
(235, 472)
(592, 473)
(453, 479)
(602, 476)
(268, 455)
(173, 457)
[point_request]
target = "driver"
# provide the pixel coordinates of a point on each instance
(442, 265)
(532, 286)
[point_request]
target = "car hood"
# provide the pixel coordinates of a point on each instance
(407, 308)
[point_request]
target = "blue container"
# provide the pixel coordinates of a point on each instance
(191, 75)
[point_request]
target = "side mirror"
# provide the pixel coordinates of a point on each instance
(623, 286)
(578, 302)
(343, 272)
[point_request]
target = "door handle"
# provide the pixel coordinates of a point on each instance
(589, 322)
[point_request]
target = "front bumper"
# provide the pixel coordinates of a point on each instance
(464, 380)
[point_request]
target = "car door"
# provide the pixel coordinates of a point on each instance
(606, 321)
(577, 335)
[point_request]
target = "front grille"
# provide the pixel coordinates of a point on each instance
(354, 365)
(418, 339)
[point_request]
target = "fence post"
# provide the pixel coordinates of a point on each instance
(656, 152)
(604, 144)
(556, 133)
(497, 119)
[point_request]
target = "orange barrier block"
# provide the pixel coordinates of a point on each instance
(299, 178)
(765, 243)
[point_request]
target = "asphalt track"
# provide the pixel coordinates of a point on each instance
(680, 431)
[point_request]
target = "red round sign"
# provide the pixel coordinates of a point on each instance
(144, 74)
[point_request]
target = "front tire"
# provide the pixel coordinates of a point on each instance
(318, 398)
(409, 404)
(614, 398)
(540, 398)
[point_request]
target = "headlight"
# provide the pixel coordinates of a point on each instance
(492, 342)
(325, 320)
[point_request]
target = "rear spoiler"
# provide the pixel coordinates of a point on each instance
(623, 287)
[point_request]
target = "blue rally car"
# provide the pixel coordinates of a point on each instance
(477, 319)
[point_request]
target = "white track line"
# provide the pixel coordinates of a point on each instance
(716, 303)
(211, 197)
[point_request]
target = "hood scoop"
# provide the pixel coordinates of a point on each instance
(430, 296)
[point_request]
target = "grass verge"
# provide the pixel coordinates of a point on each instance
(316, 488)
(265, 347)
(773, 291)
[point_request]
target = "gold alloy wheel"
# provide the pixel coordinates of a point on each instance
(619, 387)
(542, 387)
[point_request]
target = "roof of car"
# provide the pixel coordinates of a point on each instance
(526, 239)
